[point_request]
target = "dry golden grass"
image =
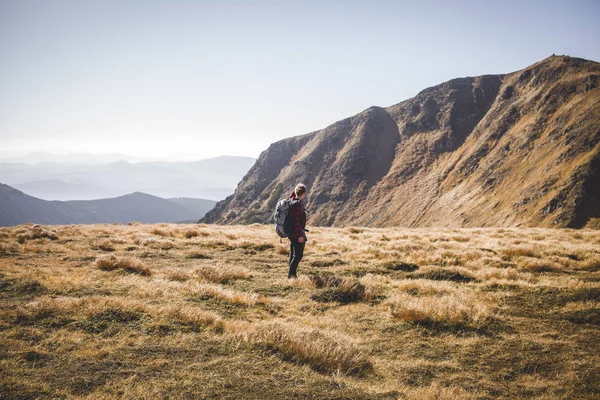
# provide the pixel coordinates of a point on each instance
(520, 251)
(179, 276)
(458, 310)
(160, 232)
(105, 245)
(221, 273)
(438, 392)
(127, 264)
(592, 264)
(283, 250)
(324, 351)
(535, 265)
(34, 232)
(193, 317)
(225, 295)
(347, 290)
(191, 234)
(426, 287)
(201, 311)
(593, 223)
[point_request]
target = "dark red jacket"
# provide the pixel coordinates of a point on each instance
(299, 217)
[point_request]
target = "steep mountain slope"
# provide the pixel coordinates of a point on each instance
(521, 149)
(17, 208)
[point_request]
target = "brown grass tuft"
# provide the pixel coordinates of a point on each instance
(226, 295)
(426, 287)
(193, 317)
(327, 263)
(160, 232)
(535, 265)
(399, 266)
(323, 351)
(446, 274)
(104, 245)
(190, 234)
(256, 246)
(127, 264)
(9, 248)
(592, 264)
(283, 250)
(179, 276)
(520, 251)
(457, 310)
(355, 230)
(36, 232)
(198, 256)
(593, 223)
(221, 273)
(343, 290)
(438, 392)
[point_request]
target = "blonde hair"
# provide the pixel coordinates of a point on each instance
(300, 189)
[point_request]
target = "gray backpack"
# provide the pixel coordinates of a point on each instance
(283, 219)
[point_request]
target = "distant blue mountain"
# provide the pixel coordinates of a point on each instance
(17, 208)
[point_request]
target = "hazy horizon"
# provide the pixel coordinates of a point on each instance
(9, 156)
(179, 79)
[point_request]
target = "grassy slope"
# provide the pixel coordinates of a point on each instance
(147, 311)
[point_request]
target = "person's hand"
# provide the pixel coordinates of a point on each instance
(300, 239)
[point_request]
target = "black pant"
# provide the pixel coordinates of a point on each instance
(296, 253)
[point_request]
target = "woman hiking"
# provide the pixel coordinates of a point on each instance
(297, 236)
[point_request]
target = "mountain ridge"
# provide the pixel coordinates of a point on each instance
(516, 149)
(17, 208)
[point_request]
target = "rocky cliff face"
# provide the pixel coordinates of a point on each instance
(521, 149)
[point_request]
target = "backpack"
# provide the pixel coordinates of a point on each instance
(283, 219)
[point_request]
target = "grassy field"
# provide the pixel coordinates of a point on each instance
(202, 311)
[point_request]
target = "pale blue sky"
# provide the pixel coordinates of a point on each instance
(163, 78)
